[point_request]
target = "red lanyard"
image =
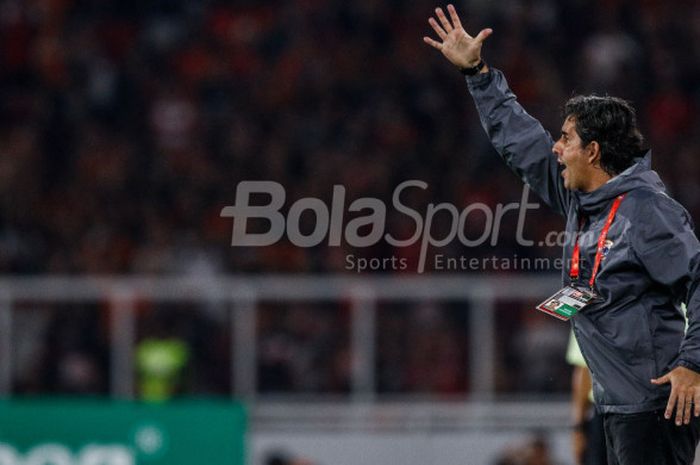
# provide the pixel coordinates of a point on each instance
(576, 255)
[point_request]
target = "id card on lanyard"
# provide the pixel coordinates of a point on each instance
(569, 300)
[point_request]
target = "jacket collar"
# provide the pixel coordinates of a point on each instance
(636, 176)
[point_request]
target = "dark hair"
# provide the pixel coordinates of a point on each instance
(611, 122)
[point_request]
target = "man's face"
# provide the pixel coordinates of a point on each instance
(572, 155)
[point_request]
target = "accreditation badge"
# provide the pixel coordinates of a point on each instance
(566, 302)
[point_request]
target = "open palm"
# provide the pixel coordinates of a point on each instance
(461, 49)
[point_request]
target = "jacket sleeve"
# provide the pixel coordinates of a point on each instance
(519, 138)
(669, 250)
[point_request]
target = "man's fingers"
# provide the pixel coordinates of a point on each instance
(680, 408)
(671, 403)
(663, 380)
(454, 17)
(432, 42)
(443, 19)
(436, 27)
(697, 402)
(687, 409)
(483, 34)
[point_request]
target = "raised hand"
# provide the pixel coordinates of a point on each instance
(461, 49)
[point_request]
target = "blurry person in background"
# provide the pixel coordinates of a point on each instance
(162, 358)
(538, 452)
(535, 451)
(632, 254)
(588, 436)
(282, 458)
(74, 359)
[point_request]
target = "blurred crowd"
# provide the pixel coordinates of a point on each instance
(125, 127)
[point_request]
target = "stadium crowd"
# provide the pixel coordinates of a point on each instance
(127, 125)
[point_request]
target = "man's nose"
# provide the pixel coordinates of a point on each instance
(555, 149)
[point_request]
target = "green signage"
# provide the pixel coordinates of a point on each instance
(104, 432)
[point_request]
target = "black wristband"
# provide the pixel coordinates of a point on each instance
(474, 69)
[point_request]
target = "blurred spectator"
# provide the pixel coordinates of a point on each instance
(281, 458)
(303, 348)
(160, 361)
(73, 359)
(535, 452)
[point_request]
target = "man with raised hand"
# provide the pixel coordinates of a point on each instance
(631, 258)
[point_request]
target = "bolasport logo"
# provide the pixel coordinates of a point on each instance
(369, 227)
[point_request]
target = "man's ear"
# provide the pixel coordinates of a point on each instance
(593, 153)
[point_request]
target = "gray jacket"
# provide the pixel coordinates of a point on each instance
(637, 331)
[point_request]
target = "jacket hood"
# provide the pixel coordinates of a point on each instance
(639, 175)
